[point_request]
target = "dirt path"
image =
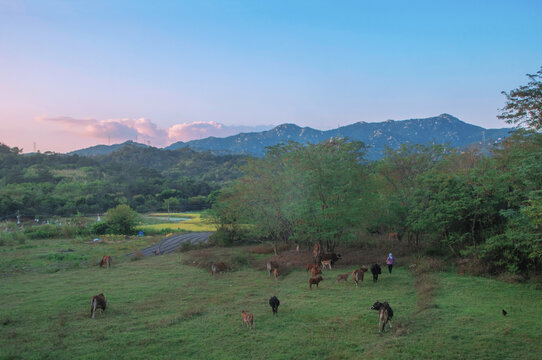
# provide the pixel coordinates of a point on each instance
(172, 243)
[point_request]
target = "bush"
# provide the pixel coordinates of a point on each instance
(98, 228)
(43, 232)
(515, 251)
(121, 220)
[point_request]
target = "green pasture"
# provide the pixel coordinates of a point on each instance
(161, 307)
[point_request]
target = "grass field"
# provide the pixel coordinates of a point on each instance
(160, 307)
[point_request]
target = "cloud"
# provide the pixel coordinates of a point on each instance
(144, 130)
(199, 130)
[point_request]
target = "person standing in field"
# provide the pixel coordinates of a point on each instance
(390, 261)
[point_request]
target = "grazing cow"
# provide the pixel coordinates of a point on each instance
(247, 319)
(315, 280)
(326, 263)
(358, 274)
(385, 314)
(333, 257)
(274, 303)
(276, 273)
(106, 261)
(97, 302)
(219, 267)
(342, 277)
(271, 266)
(376, 270)
(316, 270)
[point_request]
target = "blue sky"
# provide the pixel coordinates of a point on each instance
(79, 73)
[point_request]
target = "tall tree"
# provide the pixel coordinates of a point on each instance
(524, 104)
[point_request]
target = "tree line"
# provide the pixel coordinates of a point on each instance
(146, 179)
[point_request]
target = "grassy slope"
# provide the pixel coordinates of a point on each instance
(159, 308)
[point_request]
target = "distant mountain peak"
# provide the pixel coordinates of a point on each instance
(441, 129)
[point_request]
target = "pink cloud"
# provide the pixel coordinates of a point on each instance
(144, 130)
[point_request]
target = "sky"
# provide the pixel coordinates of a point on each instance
(74, 74)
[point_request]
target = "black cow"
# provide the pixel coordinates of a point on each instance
(274, 303)
(97, 302)
(376, 270)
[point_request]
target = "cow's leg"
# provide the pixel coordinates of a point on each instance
(93, 311)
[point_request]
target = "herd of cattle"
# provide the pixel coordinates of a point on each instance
(321, 261)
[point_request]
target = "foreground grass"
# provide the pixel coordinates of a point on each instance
(160, 308)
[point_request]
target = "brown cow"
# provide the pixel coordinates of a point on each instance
(316, 250)
(97, 302)
(393, 236)
(271, 266)
(358, 274)
(342, 277)
(219, 267)
(106, 261)
(316, 270)
(315, 280)
(385, 314)
(247, 318)
(326, 263)
(276, 273)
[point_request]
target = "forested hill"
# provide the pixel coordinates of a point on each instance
(145, 178)
(442, 129)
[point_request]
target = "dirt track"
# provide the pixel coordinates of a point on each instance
(172, 243)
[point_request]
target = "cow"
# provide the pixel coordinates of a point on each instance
(343, 277)
(315, 280)
(97, 302)
(219, 267)
(393, 236)
(274, 303)
(376, 270)
(358, 274)
(276, 273)
(316, 251)
(106, 261)
(247, 319)
(326, 263)
(316, 270)
(385, 314)
(271, 266)
(332, 256)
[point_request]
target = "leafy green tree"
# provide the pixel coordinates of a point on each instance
(524, 104)
(121, 220)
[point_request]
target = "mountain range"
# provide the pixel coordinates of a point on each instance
(442, 129)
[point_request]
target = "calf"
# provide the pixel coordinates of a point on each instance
(385, 314)
(274, 303)
(376, 270)
(97, 302)
(219, 267)
(271, 266)
(247, 319)
(326, 263)
(106, 261)
(343, 277)
(315, 280)
(333, 257)
(358, 274)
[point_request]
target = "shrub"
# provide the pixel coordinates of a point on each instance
(121, 220)
(98, 228)
(43, 232)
